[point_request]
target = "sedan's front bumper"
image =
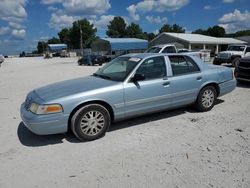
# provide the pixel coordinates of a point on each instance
(44, 124)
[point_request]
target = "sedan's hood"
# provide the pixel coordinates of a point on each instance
(71, 87)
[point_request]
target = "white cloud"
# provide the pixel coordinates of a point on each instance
(52, 9)
(84, 7)
(228, 1)
(154, 5)
(132, 12)
(58, 21)
(18, 34)
(15, 25)
(13, 10)
(157, 20)
(235, 21)
(50, 2)
(103, 21)
(209, 7)
(4, 30)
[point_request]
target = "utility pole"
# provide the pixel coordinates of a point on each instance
(81, 38)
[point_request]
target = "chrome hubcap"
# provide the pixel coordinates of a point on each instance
(92, 123)
(207, 98)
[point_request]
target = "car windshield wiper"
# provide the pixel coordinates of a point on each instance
(102, 76)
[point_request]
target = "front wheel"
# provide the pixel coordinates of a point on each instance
(90, 122)
(206, 99)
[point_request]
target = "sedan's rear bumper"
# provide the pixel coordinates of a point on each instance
(227, 87)
(44, 124)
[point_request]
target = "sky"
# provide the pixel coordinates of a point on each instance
(25, 22)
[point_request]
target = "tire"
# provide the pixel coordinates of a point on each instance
(236, 61)
(90, 122)
(79, 63)
(206, 99)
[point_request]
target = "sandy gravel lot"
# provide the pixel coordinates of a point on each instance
(178, 148)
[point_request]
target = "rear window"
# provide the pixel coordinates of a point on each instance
(183, 65)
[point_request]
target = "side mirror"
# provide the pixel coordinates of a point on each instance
(138, 77)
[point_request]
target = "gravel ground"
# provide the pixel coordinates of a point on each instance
(178, 148)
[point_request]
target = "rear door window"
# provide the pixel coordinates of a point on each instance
(183, 65)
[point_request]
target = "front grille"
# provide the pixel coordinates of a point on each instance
(224, 55)
(244, 76)
(244, 70)
(244, 64)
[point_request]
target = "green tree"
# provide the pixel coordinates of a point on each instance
(177, 29)
(64, 36)
(216, 31)
(172, 28)
(54, 40)
(165, 28)
(150, 36)
(84, 28)
(242, 33)
(200, 31)
(134, 31)
(41, 47)
(117, 28)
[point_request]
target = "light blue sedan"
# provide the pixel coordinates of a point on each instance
(130, 85)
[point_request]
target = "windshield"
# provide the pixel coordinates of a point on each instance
(118, 69)
(236, 48)
(153, 50)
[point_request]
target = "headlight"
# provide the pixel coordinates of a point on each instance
(45, 109)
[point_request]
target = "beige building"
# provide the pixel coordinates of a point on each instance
(195, 41)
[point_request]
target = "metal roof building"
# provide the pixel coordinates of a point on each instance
(119, 44)
(195, 41)
(245, 38)
(57, 47)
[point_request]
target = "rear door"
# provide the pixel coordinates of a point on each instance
(185, 81)
(150, 94)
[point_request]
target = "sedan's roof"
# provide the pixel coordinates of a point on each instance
(144, 55)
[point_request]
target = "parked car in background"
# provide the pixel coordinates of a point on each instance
(64, 53)
(242, 70)
(1, 59)
(91, 60)
(130, 85)
(232, 55)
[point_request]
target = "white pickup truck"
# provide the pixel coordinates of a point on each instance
(232, 55)
(171, 48)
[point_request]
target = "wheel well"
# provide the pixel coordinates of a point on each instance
(106, 105)
(215, 85)
(235, 56)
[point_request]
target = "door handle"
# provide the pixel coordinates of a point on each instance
(199, 78)
(166, 84)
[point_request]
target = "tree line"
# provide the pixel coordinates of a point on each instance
(118, 28)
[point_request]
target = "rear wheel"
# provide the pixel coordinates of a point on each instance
(90, 122)
(206, 99)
